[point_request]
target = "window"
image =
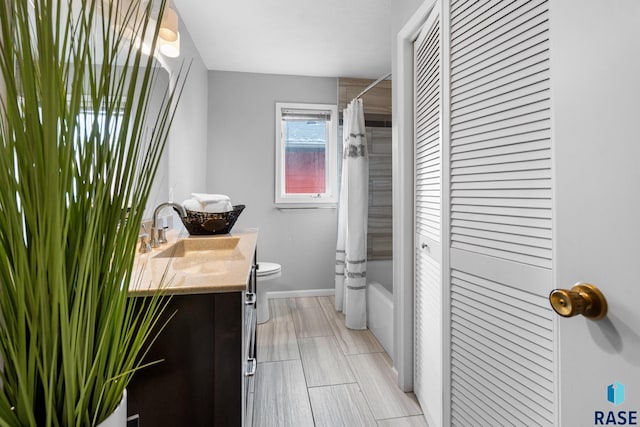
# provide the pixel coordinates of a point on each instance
(306, 155)
(96, 133)
(87, 119)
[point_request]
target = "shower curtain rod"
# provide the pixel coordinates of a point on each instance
(373, 85)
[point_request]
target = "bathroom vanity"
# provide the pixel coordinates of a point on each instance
(207, 348)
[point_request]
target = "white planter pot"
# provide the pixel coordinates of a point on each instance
(118, 418)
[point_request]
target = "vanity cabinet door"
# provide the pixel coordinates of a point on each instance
(200, 379)
(228, 366)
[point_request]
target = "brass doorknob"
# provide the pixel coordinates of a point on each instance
(583, 298)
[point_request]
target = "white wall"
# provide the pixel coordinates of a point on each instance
(401, 11)
(241, 163)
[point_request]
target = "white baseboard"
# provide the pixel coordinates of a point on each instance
(301, 293)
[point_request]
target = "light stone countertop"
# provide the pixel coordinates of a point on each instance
(198, 269)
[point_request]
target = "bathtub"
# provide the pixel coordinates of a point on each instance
(381, 271)
(380, 315)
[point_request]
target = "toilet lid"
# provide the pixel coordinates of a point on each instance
(268, 268)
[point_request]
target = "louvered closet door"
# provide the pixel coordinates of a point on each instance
(428, 271)
(502, 348)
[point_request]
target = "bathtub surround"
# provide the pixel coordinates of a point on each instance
(380, 221)
(351, 245)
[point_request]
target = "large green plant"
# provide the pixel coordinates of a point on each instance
(79, 149)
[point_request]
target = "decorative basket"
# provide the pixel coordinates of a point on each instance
(207, 223)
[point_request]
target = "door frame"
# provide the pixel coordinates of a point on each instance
(403, 200)
(403, 195)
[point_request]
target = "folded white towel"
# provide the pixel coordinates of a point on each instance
(205, 199)
(221, 206)
(213, 207)
(193, 205)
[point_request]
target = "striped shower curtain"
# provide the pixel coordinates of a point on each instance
(351, 246)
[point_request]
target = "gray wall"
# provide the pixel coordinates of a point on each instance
(183, 167)
(188, 147)
(241, 163)
(160, 189)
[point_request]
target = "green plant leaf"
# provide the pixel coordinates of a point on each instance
(80, 144)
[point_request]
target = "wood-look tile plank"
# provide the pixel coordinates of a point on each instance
(281, 398)
(277, 341)
(340, 405)
(309, 320)
(323, 362)
(378, 383)
(417, 421)
(304, 302)
(351, 341)
(280, 310)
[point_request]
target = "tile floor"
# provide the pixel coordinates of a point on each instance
(313, 371)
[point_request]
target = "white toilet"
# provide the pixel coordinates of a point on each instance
(266, 271)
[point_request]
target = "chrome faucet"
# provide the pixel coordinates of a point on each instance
(155, 242)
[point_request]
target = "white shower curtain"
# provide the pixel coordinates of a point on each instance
(351, 246)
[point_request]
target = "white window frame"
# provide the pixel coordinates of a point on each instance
(330, 197)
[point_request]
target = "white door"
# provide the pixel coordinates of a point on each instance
(544, 146)
(428, 231)
(541, 189)
(595, 82)
(501, 326)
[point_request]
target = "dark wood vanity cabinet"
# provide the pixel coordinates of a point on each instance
(208, 358)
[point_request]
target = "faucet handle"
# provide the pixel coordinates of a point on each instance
(145, 247)
(162, 235)
(154, 238)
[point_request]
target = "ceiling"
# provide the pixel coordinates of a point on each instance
(331, 38)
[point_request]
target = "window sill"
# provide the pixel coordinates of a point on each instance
(305, 206)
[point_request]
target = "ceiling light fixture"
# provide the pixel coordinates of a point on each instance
(169, 49)
(169, 24)
(168, 35)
